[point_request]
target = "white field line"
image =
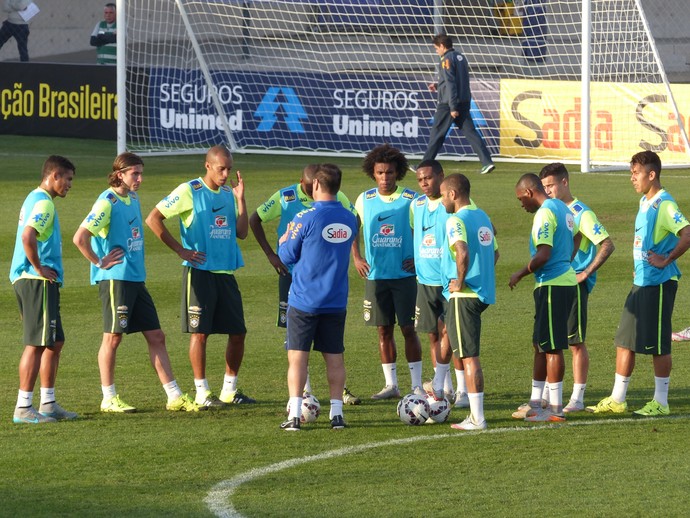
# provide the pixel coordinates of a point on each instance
(218, 498)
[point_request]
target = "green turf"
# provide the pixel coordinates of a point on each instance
(153, 463)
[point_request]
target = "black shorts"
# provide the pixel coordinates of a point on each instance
(211, 303)
(464, 325)
(127, 307)
(386, 299)
(284, 283)
(645, 324)
(39, 307)
(552, 306)
(325, 330)
(429, 308)
(577, 320)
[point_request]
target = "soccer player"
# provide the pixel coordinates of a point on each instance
(212, 216)
(553, 240)
(111, 238)
(284, 205)
(36, 274)
(430, 227)
(595, 248)
(386, 218)
(454, 103)
(469, 287)
(662, 235)
(317, 243)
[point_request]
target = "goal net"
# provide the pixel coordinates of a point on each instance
(551, 80)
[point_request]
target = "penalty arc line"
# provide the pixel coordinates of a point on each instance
(218, 498)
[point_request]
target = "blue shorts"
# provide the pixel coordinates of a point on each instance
(325, 330)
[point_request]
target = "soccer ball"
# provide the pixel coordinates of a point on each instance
(413, 409)
(311, 409)
(439, 410)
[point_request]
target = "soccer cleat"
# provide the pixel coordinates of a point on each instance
(419, 391)
(468, 424)
(462, 400)
(236, 398)
(116, 405)
(291, 424)
(431, 391)
(349, 398)
(184, 404)
(652, 409)
(573, 406)
(337, 423)
(55, 411)
(450, 396)
(541, 415)
(526, 409)
(387, 392)
(487, 169)
(608, 405)
(681, 336)
(29, 415)
(212, 402)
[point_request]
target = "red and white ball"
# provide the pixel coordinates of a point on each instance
(439, 410)
(311, 409)
(413, 409)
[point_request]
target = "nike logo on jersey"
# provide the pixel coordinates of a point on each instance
(638, 229)
(424, 229)
(132, 220)
(382, 218)
(214, 209)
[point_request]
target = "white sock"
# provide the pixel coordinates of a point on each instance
(172, 390)
(229, 384)
(47, 395)
(620, 388)
(416, 373)
(579, 392)
(537, 390)
(336, 408)
(202, 389)
(295, 407)
(25, 399)
(545, 393)
(661, 390)
(390, 373)
(109, 392)
(556, 397)
(448, 382)
(440, 375)
(477, 406)
(307, 384)
(460, 381)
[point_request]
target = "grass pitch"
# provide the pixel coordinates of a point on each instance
(155, 463)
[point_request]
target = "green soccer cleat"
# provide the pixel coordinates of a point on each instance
(184, 404)
(652, 409)
(117, 406)
(349, 398)
(608, 405)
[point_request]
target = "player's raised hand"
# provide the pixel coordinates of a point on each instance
(238, 186)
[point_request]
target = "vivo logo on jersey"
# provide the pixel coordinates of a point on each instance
(336, 233)
(485, 236)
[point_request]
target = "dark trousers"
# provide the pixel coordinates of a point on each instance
(19, 32)
(443, 122)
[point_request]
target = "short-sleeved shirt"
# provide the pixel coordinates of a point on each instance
(387, 231)
(593, 233)
(554, 225)
(38, 211)
(115, 222)
(208, 223)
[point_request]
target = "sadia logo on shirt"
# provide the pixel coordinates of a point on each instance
(336, 233)
(485, 236)
(387, 230)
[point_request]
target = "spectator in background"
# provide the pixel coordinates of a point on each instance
(104, 37)
(16, 27)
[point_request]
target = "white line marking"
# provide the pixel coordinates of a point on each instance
(218, 498)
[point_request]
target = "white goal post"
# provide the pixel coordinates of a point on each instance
(577, 81)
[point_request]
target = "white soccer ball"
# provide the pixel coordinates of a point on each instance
(311, 409)
(413, 409)
(439, 410)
